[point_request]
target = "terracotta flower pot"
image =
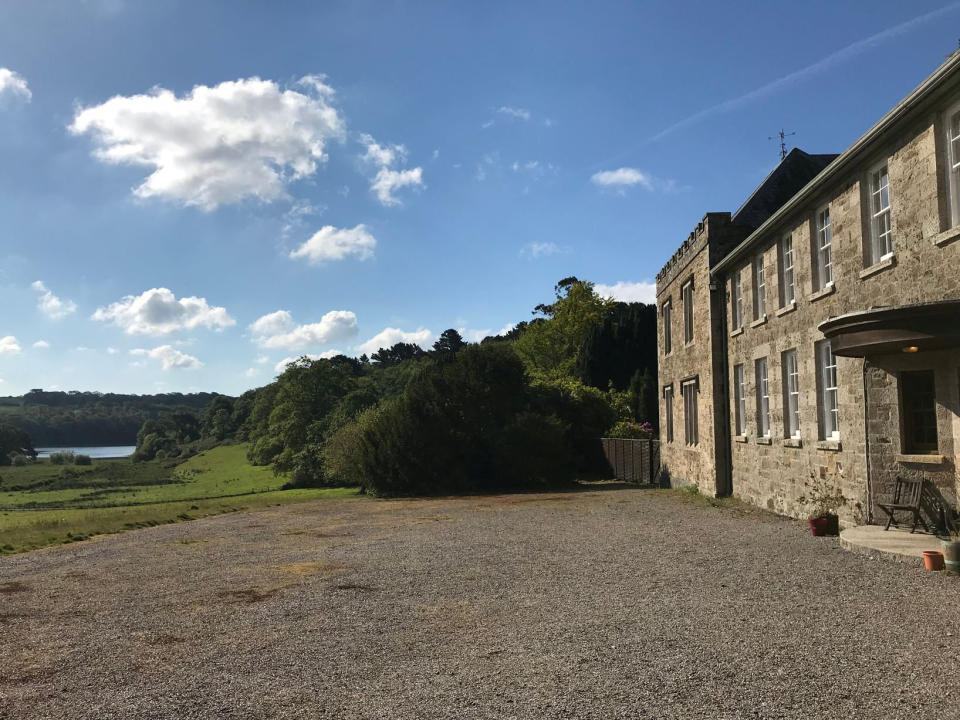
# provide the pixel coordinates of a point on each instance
(933, 560)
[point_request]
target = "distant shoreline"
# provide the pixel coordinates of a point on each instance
(98, 452)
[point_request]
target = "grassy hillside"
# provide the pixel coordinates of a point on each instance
(44, 504)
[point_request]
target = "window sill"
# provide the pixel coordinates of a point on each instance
(764, 441)
(920, 459)
(793, 442)
(946, 237)
(740, 438)
(759, 322)
(878, 267)
(822, 292)
(738, 331)
(832, 445)
(786, 309)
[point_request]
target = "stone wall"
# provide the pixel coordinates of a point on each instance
(704, 464)
(924, 268)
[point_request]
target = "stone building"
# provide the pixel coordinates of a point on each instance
(815, 333)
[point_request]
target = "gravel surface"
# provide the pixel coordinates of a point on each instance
(612, 603)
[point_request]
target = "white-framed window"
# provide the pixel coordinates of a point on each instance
(668, 409)
(690, 424)
(687, 292)
(787, 291)
(736, 299)
(666, 315)
(881, 236)
(952, 124)
(763, 398)
(823, 240)
(759, 289)
(791, 394)
(739, 400)
(827, 405)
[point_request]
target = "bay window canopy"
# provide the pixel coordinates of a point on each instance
(902, 328)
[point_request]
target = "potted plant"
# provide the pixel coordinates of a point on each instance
(951, 548)
(824, 499)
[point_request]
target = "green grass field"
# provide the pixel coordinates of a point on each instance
(43, 504)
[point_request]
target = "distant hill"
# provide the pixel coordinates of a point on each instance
(90, 418)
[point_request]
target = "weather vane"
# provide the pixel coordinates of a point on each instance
(783, 141)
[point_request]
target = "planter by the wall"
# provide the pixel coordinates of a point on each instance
(933, 560)
(826, 525)
(951, 555)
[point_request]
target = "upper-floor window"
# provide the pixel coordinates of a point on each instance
(827, 406)
(736, 300)
(763, 398)
(791, 394)
(953, 162)
(787, 291)
(687, 291)
(739, 400)
(759, 289)
(918, 403)
(690, 424)
(823, 261)
(668, 410)
(881, 237)
(666, 317)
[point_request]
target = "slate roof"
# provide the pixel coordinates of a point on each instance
(784, 181)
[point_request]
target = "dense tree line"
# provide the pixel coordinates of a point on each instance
(522, 410)
(89, 418)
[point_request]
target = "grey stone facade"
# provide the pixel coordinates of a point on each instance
(924, 267)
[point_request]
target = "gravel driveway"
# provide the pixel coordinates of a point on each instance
(610, 603)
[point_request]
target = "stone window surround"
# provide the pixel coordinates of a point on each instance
(688, 312)
(666, 320)
(869, 231)
(952, 174)
(668, 407)
(817, 263)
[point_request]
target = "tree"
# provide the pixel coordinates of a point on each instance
(449, 344)
(397, 354)
(14, 441)
(551, 346)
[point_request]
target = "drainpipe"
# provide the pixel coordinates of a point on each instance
(866, 437)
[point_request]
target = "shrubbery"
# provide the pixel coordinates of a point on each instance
(64, 457)
(82, 460)
(472, 424)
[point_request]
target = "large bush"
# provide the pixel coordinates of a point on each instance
(471, 424)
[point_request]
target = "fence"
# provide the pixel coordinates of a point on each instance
(636, 461)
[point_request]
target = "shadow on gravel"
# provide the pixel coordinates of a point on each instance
(13, 587)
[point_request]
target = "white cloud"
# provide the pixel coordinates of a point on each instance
(325, 355)
(388, 337)
(621, 177)
(251, 372)
(383, 155)
(645, 292)
(216, 145)
(15, 84)
(471, 335)
(387, 180)
(50, 305)
(158, 312)
(506, 328)
(330, 243)
(262, 359)
(169, 357)
(9, 345)
(514, 112)
(111, 351)
(536, 250)
(277, 330)
(41, 345)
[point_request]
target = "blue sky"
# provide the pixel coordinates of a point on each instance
(191, 192)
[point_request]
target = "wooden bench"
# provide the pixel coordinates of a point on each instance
(906, 497)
